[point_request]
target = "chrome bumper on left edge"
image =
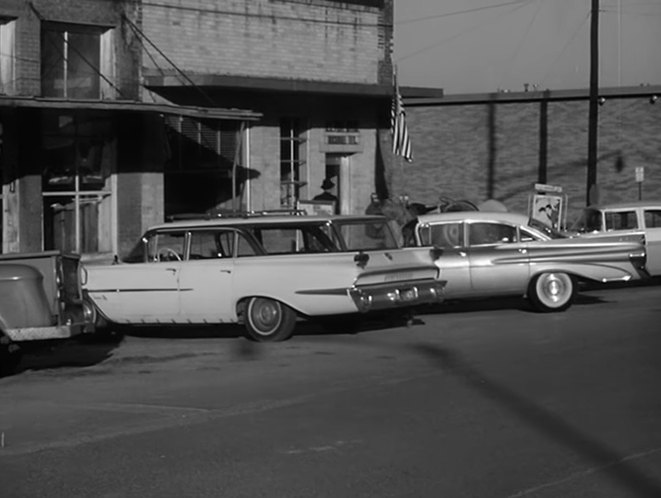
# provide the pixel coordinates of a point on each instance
(392, 295)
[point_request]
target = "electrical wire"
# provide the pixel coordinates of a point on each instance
(142, 36)
(466, 31)
(569, 41)
(460, 12)
(353, 22)
(508, 65)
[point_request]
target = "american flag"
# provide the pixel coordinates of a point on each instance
(401, 142)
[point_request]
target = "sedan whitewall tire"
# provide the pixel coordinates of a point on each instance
(552, 291)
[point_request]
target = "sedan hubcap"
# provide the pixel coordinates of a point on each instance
(554, 288)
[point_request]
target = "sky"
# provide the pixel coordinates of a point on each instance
(476, 46)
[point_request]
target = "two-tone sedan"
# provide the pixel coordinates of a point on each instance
(494, 254)
(264, 272)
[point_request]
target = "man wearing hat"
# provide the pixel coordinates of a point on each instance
(326, 195)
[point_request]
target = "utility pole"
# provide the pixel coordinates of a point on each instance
(593, 118)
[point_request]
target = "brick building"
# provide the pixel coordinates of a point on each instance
(116, 115)
(497, 146)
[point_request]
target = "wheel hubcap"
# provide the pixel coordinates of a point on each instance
(554, 288)
(265, 316)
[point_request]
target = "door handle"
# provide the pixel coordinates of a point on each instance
(173, 270)
(523, 250)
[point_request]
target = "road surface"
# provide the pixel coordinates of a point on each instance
(484, 399)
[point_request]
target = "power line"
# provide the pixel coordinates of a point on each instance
(519, 5)
(460, 12)
(268, 16)
(520, 44)
(569, 41)
(143, 37)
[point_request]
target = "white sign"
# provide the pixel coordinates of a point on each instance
(543, 187)
(640, 174)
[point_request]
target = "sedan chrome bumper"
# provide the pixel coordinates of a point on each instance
(392, 295)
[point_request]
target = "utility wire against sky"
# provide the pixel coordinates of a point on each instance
(508, 66)
(569, 42)
(459, 12)
(517, 5)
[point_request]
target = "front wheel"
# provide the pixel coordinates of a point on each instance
(267, 320)
(553, 291)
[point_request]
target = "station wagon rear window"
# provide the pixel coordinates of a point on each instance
(366, 235)
(652, 218)
(289, 239)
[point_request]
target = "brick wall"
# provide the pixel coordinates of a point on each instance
(311, 40)
(458, 154)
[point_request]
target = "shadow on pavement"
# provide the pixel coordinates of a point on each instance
(83, 351)
(606, 460)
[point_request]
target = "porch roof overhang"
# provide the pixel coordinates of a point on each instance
(131, 106)
(271, 85)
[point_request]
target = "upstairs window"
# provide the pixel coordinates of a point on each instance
(7, 55)
(76, 61)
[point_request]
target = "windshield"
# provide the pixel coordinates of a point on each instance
(590, 221)
(545, 229)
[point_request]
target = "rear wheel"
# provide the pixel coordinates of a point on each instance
(267, 320)
(552, 291)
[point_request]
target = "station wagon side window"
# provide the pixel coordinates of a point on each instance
(233, 242)
(155, 247)
(166, 246)
(204, 244)
(621, 220)
(653, 218)
(294, 239)
(480, 234)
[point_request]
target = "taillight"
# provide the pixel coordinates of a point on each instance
(58, 279)
(89, 311)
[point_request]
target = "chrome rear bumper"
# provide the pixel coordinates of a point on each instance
(394, 295)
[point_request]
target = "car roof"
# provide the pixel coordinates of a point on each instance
(508, 217)
(626, 205)
(264, 220)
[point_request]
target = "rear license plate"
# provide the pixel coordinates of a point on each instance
(408, 294)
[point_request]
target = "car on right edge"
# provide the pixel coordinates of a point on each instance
(488, 254)
(622, 219)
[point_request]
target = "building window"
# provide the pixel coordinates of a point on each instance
(203, 154)
(78, 151)
(293, 155)
(7, 56)
(76, 61)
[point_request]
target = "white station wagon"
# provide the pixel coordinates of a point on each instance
(622, 219)
(264, 272)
